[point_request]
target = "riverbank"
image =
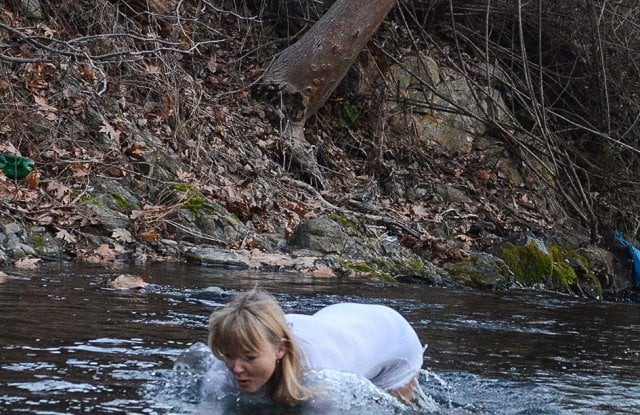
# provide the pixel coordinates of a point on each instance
(174, 157)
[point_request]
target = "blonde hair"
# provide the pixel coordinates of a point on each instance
(249, 320)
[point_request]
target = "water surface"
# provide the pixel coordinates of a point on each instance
(70, 345)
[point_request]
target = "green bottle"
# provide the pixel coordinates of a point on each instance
(16, 167)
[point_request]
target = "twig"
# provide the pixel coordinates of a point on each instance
(103, 58)
(375, 218)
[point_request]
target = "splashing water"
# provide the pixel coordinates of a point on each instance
(198, 383)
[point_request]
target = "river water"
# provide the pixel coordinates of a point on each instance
(69, 344)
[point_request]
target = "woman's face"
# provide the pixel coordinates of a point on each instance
(252, 370)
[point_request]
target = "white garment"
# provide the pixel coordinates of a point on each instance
(370, 340)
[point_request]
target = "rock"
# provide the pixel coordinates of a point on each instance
(13, 245)
(45, 244)
(481, 271)
(341, 245)
(13, 228)
(601, 263)
(216, 294)
(453, 116)
(417, 75)
(116, 196)
(450, 194)
(32, 8)
(452, 140)
(201, 220)
(552, 267)
(127, 282)
(321, 235)
(106, 218)
(212, 256)
(17, 249)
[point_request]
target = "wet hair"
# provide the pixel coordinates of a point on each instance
(248, 321)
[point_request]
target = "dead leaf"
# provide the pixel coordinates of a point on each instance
(4, 86)
(9, 148)
(33, 179)
(27, 263)
(526, 202)
(420, 212)
(485, 176)
(136, 151)
(48, 32)
(45, 220)
(136, 214)
(89, 73)
(43, 105)
(122, 235)
(109, 131)
(65, 236)
(212, 65)
(152, 68)
(105, 253)
(185, 177)
(150, 236)
(127, 282)
(59, 190)
(464, 238)
(80, 169)
(467, 241)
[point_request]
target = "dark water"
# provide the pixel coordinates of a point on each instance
(71, 345)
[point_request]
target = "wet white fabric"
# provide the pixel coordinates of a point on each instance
(370, 340)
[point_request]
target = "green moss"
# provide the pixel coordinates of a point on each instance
(342, 220)
(90, 200)
(555, 269)
(565, 276)
(193, 200)
(480, 271)
(234, 219)
(349, 114)
(38, 241)
(122, 203)
(416, 265)
(528, 263)
(350, 226)
(367, 269)
(385, 269)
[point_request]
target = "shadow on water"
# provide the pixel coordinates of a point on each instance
(69, 344)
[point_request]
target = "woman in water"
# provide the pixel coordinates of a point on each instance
(264, 349)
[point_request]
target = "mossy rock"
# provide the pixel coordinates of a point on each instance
(553, 267)
(410, 269)
(480, 271)
(366, 269)
(124, 206)
(530, 264)
(189, 197)
(351, 226)
(575, 273)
